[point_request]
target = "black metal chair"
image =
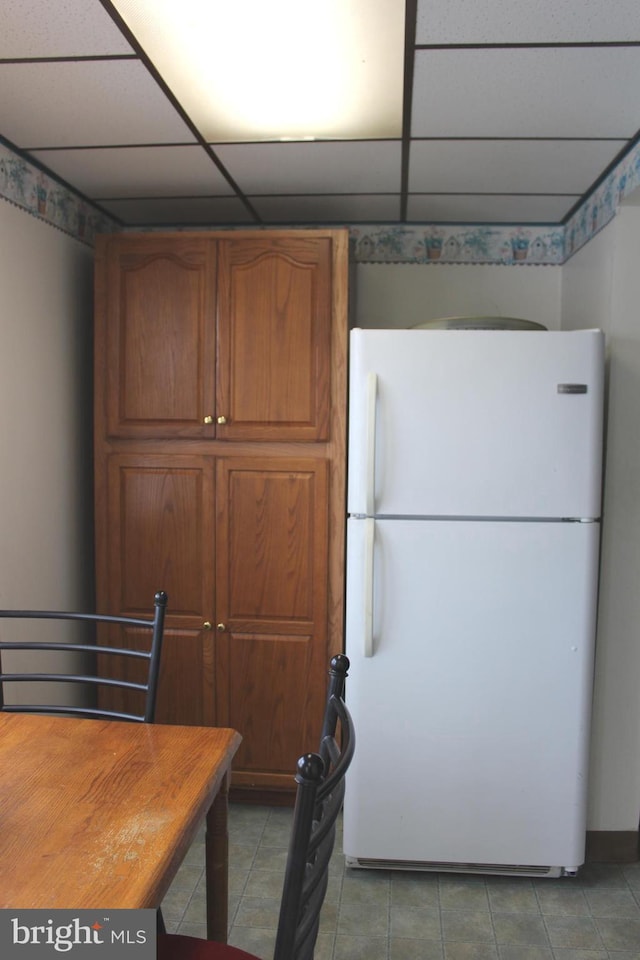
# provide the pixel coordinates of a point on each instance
(90, 653)
(320, 792)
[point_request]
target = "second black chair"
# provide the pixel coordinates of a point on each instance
(320, 781)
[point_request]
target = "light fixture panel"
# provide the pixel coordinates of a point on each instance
(278, 70)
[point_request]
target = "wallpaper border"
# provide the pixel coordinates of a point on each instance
(41, 195)
(28, 187)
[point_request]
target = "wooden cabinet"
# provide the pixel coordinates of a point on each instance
(220, 432)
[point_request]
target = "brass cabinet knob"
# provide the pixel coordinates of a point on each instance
(208, 420)
(221, 627)
(207, 625)
(222, 420)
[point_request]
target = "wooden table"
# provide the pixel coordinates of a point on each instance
(99, 814)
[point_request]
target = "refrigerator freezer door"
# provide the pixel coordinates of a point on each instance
(475, 423)
(472, 713)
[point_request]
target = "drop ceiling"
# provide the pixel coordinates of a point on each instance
(514, 110)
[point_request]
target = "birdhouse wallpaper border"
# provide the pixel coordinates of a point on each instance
(41, 195)
(44, 197)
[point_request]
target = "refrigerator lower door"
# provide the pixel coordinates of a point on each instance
(471, 697)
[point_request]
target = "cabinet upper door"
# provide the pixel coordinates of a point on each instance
(274, 334)
(160, 336)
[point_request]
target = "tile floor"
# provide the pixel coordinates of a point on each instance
(371, 915)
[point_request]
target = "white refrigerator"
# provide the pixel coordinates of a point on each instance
(472, 568)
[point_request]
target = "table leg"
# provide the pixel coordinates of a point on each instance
(217, 865)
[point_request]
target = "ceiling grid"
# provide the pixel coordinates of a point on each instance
(513, 116)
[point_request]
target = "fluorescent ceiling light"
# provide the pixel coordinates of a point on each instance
(278, 69)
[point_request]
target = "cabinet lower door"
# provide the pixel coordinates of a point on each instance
(271, 603)
(161, 537)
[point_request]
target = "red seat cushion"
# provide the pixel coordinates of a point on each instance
(175, 946)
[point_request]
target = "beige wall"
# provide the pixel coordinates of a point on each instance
(45, 416)
(587, 280)
(401, 295)
(601, 286)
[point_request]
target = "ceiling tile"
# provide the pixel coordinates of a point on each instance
(66, 28)
(495, 209)
(536, 21)
(83, 103)
(137, 171)
(328, 209)
(319, 167)
(508, 166)
(526, 93)
(186, 211)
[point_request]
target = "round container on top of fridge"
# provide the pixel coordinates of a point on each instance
(478, 323)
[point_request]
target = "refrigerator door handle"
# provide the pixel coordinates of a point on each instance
(370, 491)
(369, 543)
